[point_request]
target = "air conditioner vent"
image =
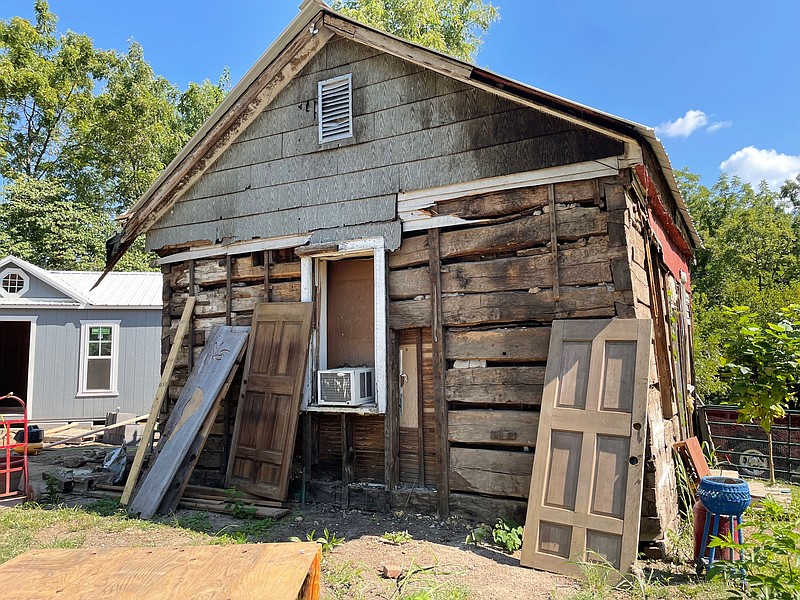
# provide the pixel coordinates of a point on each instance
(346, 387)
(335, 108)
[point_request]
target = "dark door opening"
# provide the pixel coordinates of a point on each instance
(15, 342)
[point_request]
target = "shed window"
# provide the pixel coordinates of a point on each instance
(99, 358)
(14, 282)
(335, 108)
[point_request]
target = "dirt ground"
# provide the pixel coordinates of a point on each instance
(435, 557)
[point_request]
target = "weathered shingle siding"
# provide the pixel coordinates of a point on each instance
(414, 129)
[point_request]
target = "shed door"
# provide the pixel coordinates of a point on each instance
(586, 488)
(269, 404)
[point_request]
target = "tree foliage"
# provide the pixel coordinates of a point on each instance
(83, 133)
(455, 27)
(761, 364)
(751, 257)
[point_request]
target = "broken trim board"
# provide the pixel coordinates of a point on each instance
(222, 352)
(586, 488)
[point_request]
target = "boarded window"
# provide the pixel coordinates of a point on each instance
(351, 313)
(335, 108)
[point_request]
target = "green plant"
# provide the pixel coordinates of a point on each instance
(223, 539)
(106, 507)
(197, 521)
(424, 583)
(762, 367)
(52, 493)
(477, 535)
(507, 535)
(344, 580)
(680, 542)
(328, 540)
(397, 537)
(258, 529)
(235, 503)
(770, 560)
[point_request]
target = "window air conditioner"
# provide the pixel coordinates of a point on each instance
(346, 387)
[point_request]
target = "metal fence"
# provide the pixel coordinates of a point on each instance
(745, 447)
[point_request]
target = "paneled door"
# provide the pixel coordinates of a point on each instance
(586, 488)
(269, 403)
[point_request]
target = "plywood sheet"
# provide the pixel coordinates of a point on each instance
(286, 571)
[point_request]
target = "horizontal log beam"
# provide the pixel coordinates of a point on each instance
(513, 428)
(518, 344)
(492, 472)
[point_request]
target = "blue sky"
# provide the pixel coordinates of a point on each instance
(719, 80)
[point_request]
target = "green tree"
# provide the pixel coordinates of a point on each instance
(455, 27)
(94, 128)
(761, 365)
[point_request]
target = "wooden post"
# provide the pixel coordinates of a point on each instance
(348, 458)
(551, 197)
(310, 444)
(392, 419)
(439, 366)
(267, 263)
(420, 412)
(227, 414)
(158, 401)
(191, 319)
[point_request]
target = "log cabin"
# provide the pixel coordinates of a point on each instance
(439, 217)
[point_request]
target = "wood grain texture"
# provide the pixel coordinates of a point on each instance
(269, 402)
(201, 392)
(514, 428)
(586, 489)
(492, 472)
(285, 571)
(495, 385)
(508, 345)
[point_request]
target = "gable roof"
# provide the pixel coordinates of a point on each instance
(118, 290)
(290, 52)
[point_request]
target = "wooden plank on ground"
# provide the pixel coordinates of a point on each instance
(284, 571)
(84, 434)
(221, 353)
(158, 400)
(586, 489)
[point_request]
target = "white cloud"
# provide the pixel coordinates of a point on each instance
(754, 165)
(683, 126)
(717, 125)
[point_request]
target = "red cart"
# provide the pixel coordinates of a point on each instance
(14, 480)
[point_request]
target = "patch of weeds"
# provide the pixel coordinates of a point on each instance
(477, 535)
(424, 583)
(345, 580)
(328, 540)
(105, 507)
(66, 542)
(234, 501)
(52, 492)
(770, 561)
(257, 530)
(397, 537)
(507, 535)
(197, 521)
(225, 539)
(681, 543)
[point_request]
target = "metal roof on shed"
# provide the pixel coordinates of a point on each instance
(117, 289)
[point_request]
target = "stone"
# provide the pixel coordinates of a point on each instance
(391, 571)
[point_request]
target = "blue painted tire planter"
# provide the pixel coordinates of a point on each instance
(724, 495)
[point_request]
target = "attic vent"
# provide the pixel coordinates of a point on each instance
(335, 108)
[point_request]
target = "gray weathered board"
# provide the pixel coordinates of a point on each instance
(586, 489)
(222, 352)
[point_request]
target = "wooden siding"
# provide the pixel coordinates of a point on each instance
(414, 129)
(57, 358)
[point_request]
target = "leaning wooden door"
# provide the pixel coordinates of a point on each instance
(269, 404)
(586, 489)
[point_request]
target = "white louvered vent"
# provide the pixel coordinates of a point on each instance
(335, 108)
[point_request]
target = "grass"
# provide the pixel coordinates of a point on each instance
(31, 526)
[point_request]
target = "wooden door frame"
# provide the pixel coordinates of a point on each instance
(31, 355)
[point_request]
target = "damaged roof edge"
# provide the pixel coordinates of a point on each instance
(310, 11)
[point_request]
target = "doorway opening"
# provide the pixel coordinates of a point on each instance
(15, 346)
